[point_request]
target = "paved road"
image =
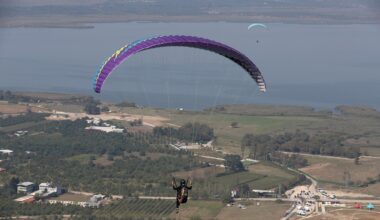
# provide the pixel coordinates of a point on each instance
(209, 157)
(330, 157)
(158, 197)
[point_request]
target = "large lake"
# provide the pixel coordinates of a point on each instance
(314, 65)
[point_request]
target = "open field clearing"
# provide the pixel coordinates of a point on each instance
(137, 208)
(215, 182)
(198, 209)
(256, 179)
(371, 151)
(332, 169)
(64, 108)
(270, 170)
(263, 211)
(229, 138)
(280, 110)
(22, 126)
(14, 109)
(73, 197)
(373, 189)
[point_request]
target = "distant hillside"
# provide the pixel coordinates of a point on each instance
(74, 12)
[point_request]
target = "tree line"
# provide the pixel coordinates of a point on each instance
(189, 132)
(28, 117)
(263, 146)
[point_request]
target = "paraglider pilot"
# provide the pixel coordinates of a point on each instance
(182, 191)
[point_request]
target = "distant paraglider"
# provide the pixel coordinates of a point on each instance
(177, 40)
(257, 25)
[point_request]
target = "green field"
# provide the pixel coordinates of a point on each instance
(229, 138)
(82, 158)
(199, 209)
(258, 176)
(137, 209)
(21, 126)
(212, 182)
(371, 151)
(358, 126)
(257, 211)
(331, 169)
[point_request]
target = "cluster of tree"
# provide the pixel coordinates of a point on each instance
(15, 98)
(28, 117)
(262, 146)
(91, 106)
(104, 109)
(67, 138)
(10, 188)
(137, 122)
(300, 180)
(292, 160)
(125, 175)
(128, 170)
(234, 124)
(190, 132)
(233, 163)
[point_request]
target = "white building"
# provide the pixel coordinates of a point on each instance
(82, 204)
(20, 133)
(95, 200)
(44, 186)
(106, 129)
(95, 121)
(25, 187)
(6, 151)
(48, 188)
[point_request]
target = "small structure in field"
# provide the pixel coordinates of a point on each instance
(357, 205)
(106, 129)
(6, 151)
(370, 206)
(25, 187)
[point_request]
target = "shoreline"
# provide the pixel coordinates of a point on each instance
(90, 22)
(333, 109)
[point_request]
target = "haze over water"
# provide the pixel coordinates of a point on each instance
(313, 65)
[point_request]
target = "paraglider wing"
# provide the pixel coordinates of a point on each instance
(177, 40)
(257, 25)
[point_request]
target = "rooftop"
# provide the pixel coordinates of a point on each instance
(45, 184)
(25, 184)
(6, 151)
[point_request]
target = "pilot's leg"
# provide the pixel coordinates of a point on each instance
(177, 205)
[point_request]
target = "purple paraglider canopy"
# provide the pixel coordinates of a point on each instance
(177, 40)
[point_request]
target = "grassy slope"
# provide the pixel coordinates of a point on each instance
(266, 210)
(332, 169)
(229, 138)
(352, 125)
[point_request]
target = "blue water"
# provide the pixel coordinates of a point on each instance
(314, 65)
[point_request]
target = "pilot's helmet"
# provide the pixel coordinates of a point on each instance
(183, 182)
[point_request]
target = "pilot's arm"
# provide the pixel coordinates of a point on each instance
(189, 184)
(174, 184)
